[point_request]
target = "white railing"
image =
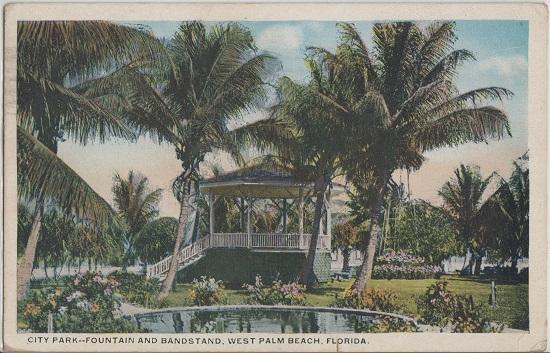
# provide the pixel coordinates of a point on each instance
(229, 240)
(239, 240)
(184, 255)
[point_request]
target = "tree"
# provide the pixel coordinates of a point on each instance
(156, 239)
(463, 198)
(399, 101)
(212, 78)
(425, 230)
(54, 59)
(345, 237)
(504, 217)
(136, 206)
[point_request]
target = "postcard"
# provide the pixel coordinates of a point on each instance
(275, 177)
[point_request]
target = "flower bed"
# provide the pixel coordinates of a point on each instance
(87, 302)
(404, 266)
(278, 293)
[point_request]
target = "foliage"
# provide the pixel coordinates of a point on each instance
(206, 291)
(399, 100)
(278, 293)
(138, 289)
(24, 221)
(376, 299)
(505, 216)
(85, 303)
(426, 230)
(462, 198)
(345, 235)
(404, 266)
(136, 206)
(383, 324)
(439, 306)
(156, 240)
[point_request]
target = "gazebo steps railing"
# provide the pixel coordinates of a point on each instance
(193, 252)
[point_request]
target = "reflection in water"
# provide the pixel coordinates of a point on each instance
(178, 322)
(265, 320)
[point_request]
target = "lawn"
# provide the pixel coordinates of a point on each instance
(512, 299)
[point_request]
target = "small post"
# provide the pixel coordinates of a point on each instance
(493, 295)
(50, 323)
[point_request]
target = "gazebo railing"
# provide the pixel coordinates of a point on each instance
(229, 240)
(190, 252)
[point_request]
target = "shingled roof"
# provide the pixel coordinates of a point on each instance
(260, 180)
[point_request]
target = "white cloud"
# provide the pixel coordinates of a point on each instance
(280, 37)
(505, 65)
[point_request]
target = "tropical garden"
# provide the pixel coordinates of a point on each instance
(364, 115)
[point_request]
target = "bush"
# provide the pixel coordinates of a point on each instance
(376, 299)
(382, 325)
(138, 289)
(206, 291)
(440, 307)
(278, 293)
(85, 303)
(404, 266)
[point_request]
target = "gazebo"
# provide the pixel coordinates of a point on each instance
(264, 182)
(238, 256)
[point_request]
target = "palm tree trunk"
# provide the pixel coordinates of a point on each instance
(345, 260)
(477, 267)
(376, 211)
(185, 208)
(306, 275)
(26, 264)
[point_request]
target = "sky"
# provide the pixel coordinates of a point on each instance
(500, 48)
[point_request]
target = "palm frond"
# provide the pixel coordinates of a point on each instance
(41, 174)
(464, 125)
(80, 118)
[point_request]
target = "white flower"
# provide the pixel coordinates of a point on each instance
(62, 309)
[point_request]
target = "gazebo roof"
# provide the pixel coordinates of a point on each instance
(257, 181)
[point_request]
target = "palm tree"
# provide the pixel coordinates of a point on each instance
(136, 205)
(399, 101)
(212, 78)
(462, 198)
(313, 149)
(505, 216)
(54, 59)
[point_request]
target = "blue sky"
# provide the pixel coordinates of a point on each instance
(500, 47)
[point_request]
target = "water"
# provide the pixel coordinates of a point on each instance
(264, 320)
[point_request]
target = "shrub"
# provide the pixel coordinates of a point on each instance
(440, 307)
(278, 293)
(138, 289)
(382, 325)
(377, 299)
(206, 291)
(404, 266)
(85, 303)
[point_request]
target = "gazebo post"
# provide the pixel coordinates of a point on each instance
(284, 215)
(301, 216)
(212, 219)
(248, 224)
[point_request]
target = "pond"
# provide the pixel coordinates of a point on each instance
(270, 319)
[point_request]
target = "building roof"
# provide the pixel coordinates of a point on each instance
(264, 180)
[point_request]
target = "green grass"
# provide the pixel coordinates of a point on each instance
(511, 298)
